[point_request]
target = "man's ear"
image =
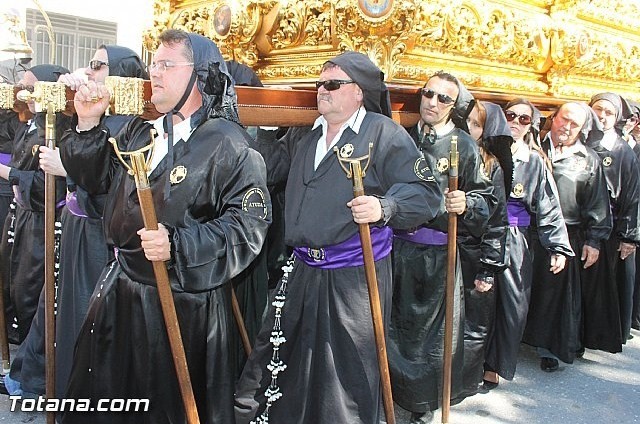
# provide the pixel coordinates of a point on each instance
(360, 95)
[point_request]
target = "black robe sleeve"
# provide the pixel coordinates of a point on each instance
(596, 211)
(626, 199)
(494, 241)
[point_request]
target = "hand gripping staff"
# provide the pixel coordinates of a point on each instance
(451, 278)
(138, 168)
(356, 172)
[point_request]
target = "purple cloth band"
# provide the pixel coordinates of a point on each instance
(427, 236)
(74, 207)
(349, 252)
(518, 214)
(5, 158)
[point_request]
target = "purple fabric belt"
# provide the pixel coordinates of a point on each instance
(5, 158)
(74, 207)
(427, 236)
(349, 252)
(518, 214)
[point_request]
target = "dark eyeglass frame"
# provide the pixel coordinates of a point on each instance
(96, 65)
(523, 119)
(333, 84)
(442, 98)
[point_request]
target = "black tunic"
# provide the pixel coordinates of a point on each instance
(217, 217)
(608, 301)
(535, 190)
(332, 372)
(554, 315)
(416, 333)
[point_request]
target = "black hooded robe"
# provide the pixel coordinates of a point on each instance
(416, 332)
(332, 373)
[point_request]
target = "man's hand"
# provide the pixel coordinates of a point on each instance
(558, 263)
(589, 255)
(50, 161)
(73, 81)
(91, 101)
(156, 243)
(366, 209)
(626, 249)
(455, 201)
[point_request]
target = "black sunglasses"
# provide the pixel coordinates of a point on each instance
(333, 84)
(97, 64)
(522, 119)
(442, 98)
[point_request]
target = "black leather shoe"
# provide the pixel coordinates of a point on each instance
(3, 388)
(580, 353)
(421, 417)
(549, 364)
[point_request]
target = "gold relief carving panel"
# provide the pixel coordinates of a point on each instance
(305, 23)
(161, 16)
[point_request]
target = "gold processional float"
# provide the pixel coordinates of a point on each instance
(548, 51)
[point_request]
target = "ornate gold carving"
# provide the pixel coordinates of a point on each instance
(127, 95)
(555, 48)
(45, 93)
(161, 16)
(6, 96)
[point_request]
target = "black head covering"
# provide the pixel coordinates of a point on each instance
(623, 110)
(535, 117)
(243, 75)
(462, 107)
(497, 139)
(124, 62)
(635, 108)
(214, 84)
(369, 78)
(48, 73)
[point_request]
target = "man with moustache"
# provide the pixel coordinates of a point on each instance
(420, 254)
(315, 360)
(553, 321)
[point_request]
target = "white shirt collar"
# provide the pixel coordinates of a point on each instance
(567, 151)
(521, 151)
(448, 127)
(181, 131)
(354, 122)
(609, 139)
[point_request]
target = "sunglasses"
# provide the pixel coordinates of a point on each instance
(333, 84)
(442, 98)
(97, 64)
(522, 119)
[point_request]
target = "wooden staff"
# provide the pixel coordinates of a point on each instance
(451, 278)
(49, 263)
(356, 172)
(237, 314)
(139, 168)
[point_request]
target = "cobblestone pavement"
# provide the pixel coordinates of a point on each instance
(599, 388)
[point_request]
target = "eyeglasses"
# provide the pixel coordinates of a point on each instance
(333, 84)
(522, 119)
(97, 64)
(442, 98)
(163, 65)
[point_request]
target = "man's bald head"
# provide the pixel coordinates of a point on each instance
(567, 123)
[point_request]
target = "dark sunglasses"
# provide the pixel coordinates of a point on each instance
(97, 64)
(442, 98)
(522, 119)
(331, 85)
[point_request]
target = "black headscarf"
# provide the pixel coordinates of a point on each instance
(48, 73)
(623, 110)
(535, 116)
(497, 139)
(243, 75)
(462, 107)
(369, 78)
(635, 108)
(124, 62)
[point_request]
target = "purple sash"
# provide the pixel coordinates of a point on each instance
(74, 207)
(518, 214)
(348, 253)
(427, 236)
(5, 158)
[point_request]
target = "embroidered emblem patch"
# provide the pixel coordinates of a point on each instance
(443, 165)
(518, 190)
(607, 161)
(178, 174)
(422, 170)
(317, 255)
(346, 151)
(253, 200)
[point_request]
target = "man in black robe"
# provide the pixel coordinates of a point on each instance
(608, 297)
(553, 320)
(26, 270)
(83, 249)
(210, 196)
(315, 358)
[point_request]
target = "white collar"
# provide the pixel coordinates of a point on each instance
(354, 121)
(520, 151)
(609, 139)
(181, 130)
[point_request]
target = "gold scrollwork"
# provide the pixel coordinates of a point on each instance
(6, 96)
